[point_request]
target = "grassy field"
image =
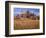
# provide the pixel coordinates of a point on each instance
(25, 23)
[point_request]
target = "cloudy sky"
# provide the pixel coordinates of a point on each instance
(31, 10)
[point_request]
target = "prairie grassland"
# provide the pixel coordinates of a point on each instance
(25, 23)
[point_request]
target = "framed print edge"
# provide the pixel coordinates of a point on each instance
(7, 19)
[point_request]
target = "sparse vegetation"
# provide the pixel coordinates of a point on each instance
(26, 24)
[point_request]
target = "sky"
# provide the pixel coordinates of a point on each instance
(31, 10)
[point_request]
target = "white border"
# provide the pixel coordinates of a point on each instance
(12, 31)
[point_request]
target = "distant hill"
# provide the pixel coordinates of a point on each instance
(27, 15)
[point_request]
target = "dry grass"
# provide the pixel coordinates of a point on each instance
(25, 23)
